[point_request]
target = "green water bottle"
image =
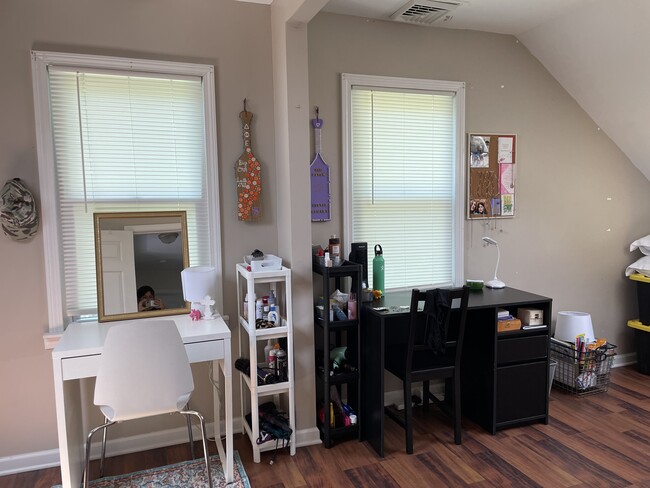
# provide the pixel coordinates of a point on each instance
(378, 269)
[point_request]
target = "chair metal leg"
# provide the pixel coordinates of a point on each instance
(86, 473)
(190, 434)
(204, 438)
(101, 461)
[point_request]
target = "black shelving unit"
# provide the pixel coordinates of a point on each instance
(329, 334)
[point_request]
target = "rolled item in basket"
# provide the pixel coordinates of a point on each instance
(586, 380)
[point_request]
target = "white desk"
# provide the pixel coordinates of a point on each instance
(77, 356)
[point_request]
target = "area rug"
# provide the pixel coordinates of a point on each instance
(188, 474)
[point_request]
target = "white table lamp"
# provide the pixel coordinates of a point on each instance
(570, 325)
(199, 287)
(496, 282)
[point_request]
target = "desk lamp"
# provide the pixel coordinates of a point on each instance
(496, 282)
(199, 286)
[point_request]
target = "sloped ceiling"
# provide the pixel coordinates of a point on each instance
(597, 50)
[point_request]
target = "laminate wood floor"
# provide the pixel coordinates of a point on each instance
(601, 440)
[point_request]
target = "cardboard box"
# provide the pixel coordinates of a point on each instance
(531, 316)
(510, 324)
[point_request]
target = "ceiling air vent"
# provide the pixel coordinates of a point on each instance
(424, 12)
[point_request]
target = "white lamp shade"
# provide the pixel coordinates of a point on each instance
(569, 325)
(199, 282)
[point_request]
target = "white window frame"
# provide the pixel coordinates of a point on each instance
(349, 80)
(50, 224)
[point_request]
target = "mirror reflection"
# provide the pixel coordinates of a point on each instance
(139, 258)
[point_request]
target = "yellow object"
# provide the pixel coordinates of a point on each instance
(377, 293)
(640, 277)
(636, 324)
(597, 344)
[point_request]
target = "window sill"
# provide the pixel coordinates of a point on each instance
(51, 339)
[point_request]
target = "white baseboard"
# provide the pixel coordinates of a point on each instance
(624, 359)
(29, 462)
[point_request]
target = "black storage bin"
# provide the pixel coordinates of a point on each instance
(643, 297)
(642, 343)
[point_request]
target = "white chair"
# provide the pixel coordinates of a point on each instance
(144, 371)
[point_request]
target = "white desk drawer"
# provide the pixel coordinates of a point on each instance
(87, 366)
(205, 351)
(80, 367)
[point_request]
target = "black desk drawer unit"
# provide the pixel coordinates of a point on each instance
(520, 395)
(518, 349)
(504, 378)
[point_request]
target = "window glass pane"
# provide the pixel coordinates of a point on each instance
(124, 143)
(403, 179)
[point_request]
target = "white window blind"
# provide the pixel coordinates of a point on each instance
(124, 142)
(403, 190)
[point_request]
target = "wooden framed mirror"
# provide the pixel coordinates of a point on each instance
(139, 257)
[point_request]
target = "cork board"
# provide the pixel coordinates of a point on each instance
(491, 175)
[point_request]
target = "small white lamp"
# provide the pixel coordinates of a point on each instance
(496, 282)
(199, 287)
(570, 325)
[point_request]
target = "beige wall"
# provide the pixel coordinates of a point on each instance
(232, 36)
(567, 241)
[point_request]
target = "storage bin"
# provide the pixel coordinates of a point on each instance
(643, 296)
(642, 343)
(582, 373)
(530, 316)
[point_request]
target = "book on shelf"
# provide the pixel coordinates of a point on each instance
(503, 313)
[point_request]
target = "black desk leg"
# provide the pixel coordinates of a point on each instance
(372, 383)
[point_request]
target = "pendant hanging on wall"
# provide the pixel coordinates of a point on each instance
(320, 178)
(18, 211)
(248, 175)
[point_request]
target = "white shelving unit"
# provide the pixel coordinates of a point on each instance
(251, 346)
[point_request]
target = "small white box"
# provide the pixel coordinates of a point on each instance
(530, 316)
(268, 263)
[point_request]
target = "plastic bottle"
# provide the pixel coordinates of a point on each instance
(273, 315)
(259, 309)
(268, 347)
(272, 299)
(271, 358)
(281, 363)
(245, 313)
(378, 269)
(265, 308)
(335, 248)
(352, 306)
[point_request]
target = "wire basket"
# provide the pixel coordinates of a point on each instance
(582, 373)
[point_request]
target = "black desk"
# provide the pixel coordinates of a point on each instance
(504, 375)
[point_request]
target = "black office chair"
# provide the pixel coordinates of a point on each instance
(431, 354)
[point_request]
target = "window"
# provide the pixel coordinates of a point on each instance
(118, 134)
(403, 173)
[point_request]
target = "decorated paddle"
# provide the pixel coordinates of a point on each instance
(248, 176)
(320, 178)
